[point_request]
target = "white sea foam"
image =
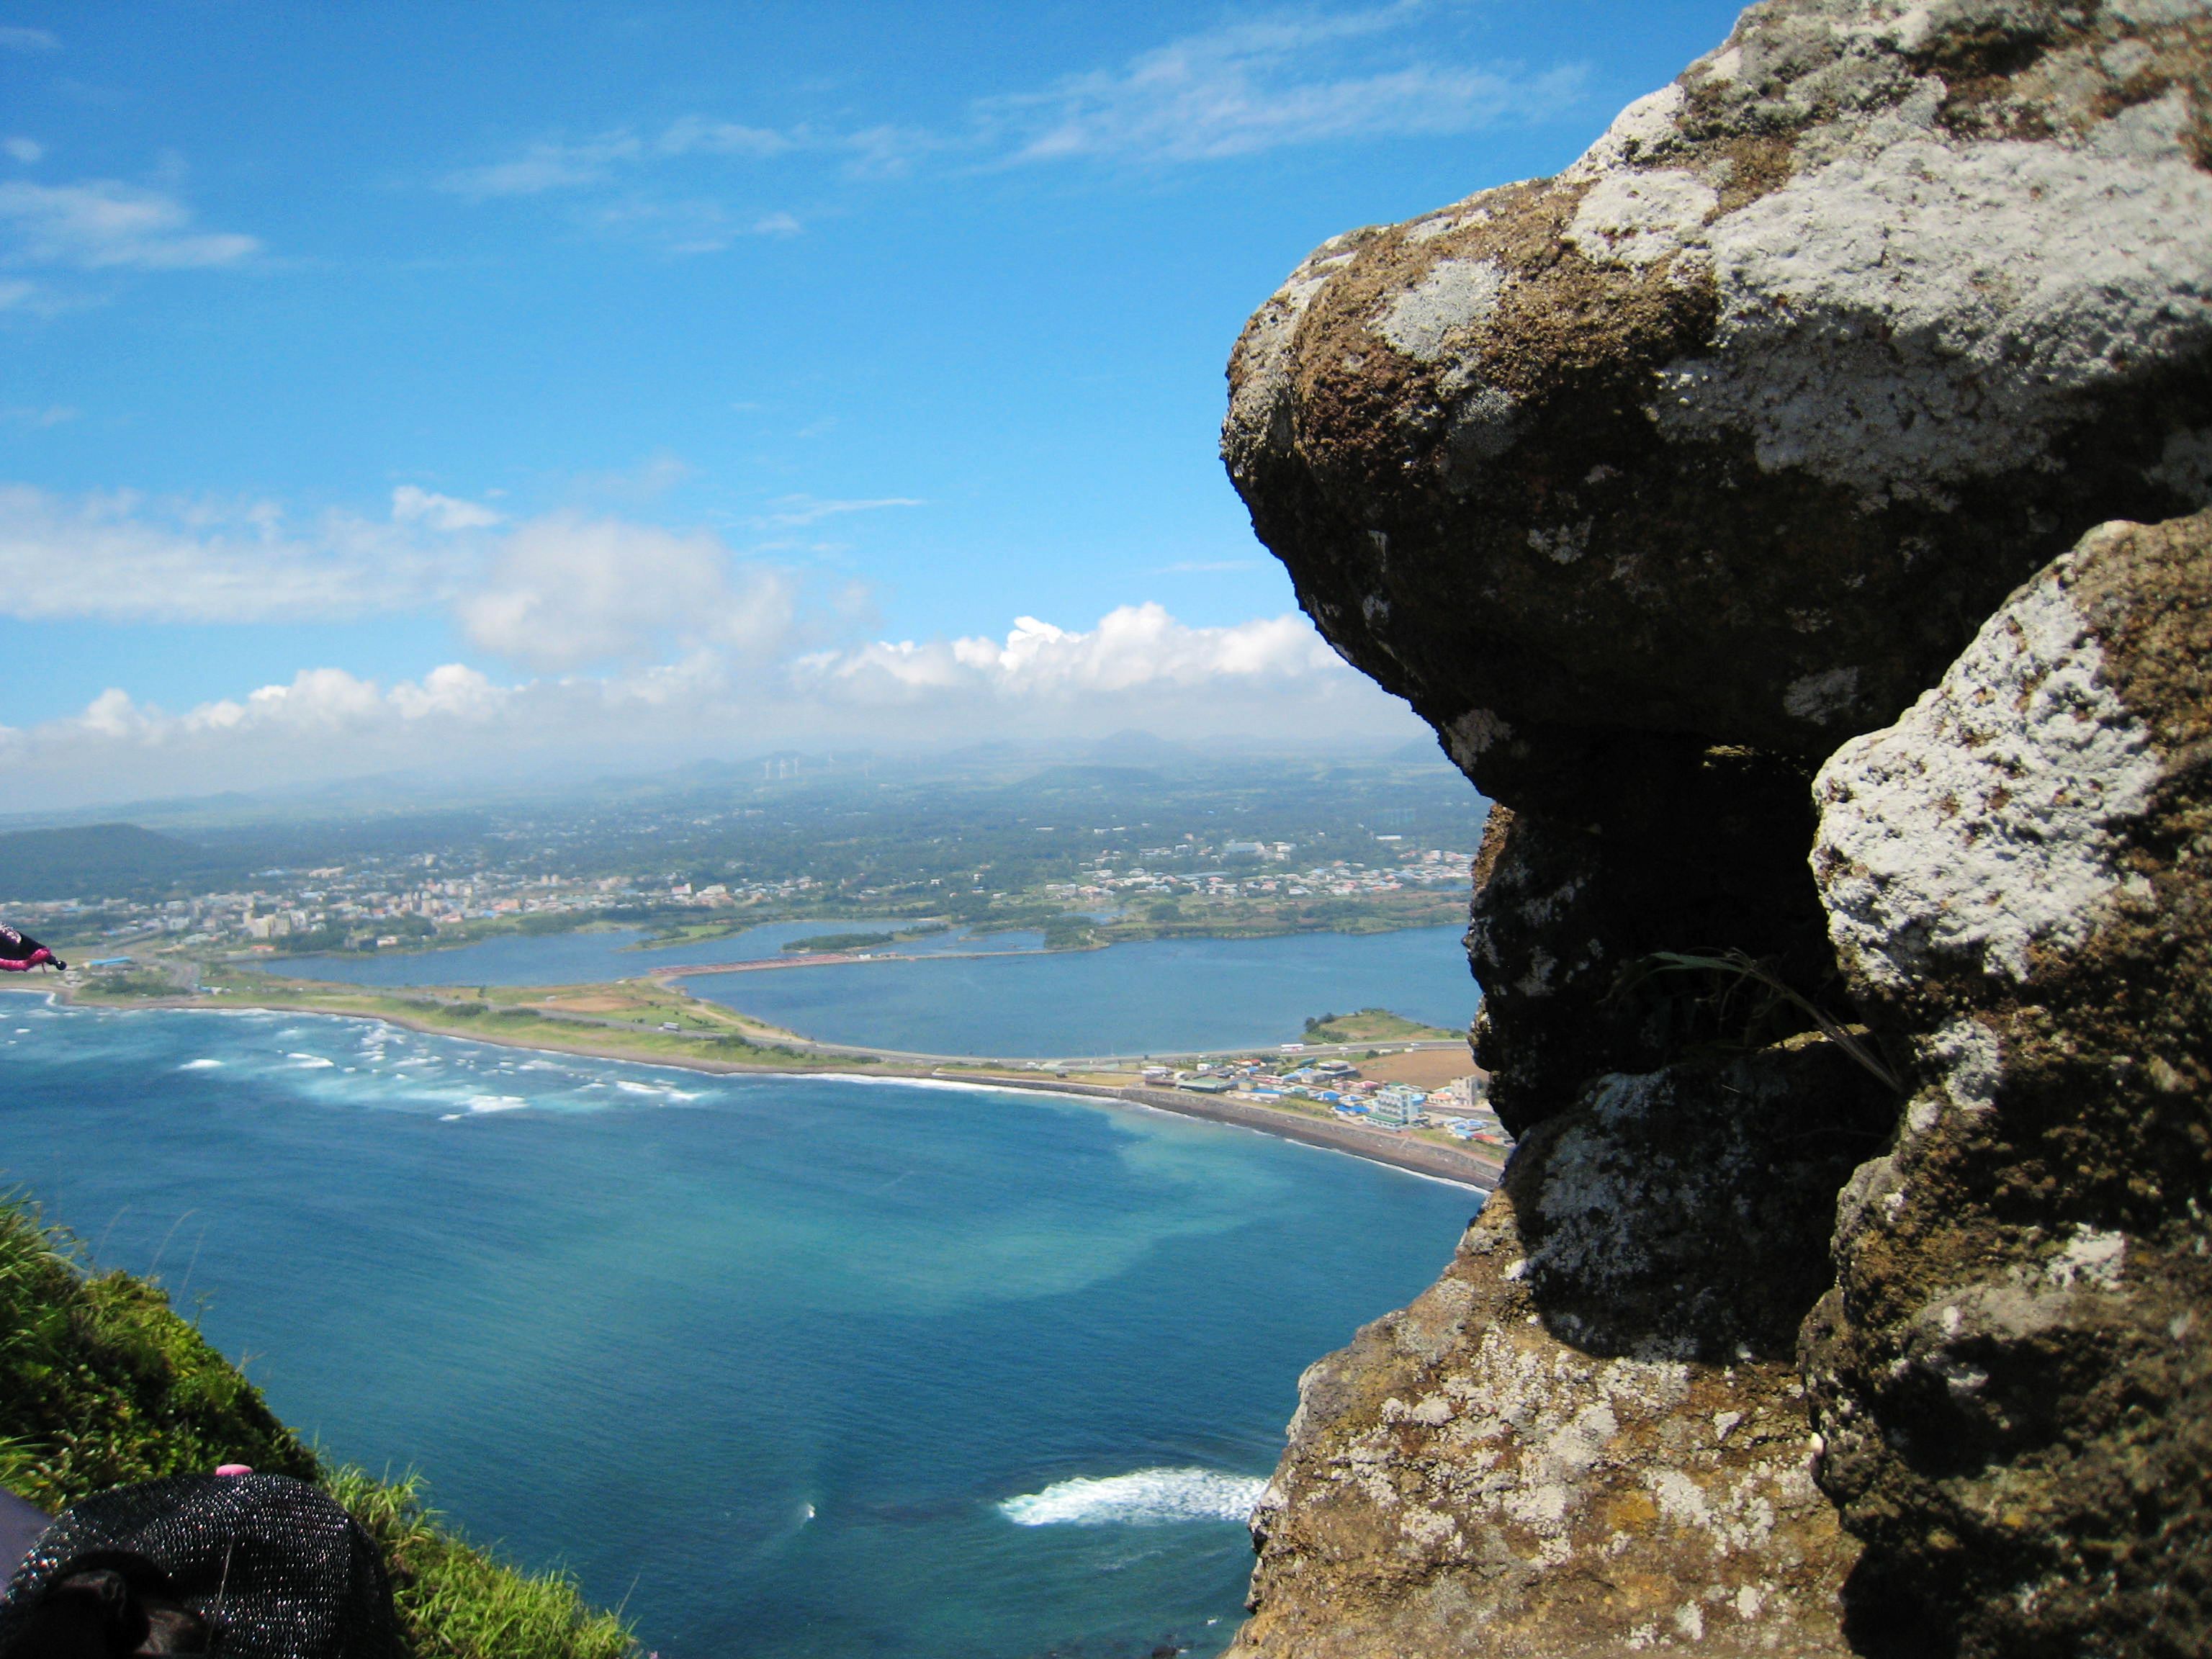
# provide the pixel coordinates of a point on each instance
(656, 1089)
(1148, 1497)
(496, 1102)
(312, 1062)
(200, 1066)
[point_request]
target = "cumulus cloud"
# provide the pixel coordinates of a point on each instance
(1136, 647)
(106, 224)
(569, 591)
(628, 643)
(1268, 83)
(1138, 667)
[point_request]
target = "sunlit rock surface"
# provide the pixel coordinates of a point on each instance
(1650, 485)
(2015, 1374)
(1591, 1435)
(1741, 425)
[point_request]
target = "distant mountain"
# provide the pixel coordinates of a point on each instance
(96, 860)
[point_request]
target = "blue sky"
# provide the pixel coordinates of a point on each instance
(503, 385)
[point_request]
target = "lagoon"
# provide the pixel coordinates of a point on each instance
(1161, 996)
(595, 954)
(801, 1366)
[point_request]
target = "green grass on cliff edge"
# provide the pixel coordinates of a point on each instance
(102, 1383)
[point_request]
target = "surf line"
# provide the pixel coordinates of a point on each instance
(1414, 1157)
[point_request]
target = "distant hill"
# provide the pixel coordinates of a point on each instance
(96, 860)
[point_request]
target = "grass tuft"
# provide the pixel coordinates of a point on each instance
(458, 1601)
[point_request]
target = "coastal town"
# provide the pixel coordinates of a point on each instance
(1460, 1106)
(1086, 855)
(411, 903)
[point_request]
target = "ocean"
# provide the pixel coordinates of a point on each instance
(1161, 996)
(793, 1366)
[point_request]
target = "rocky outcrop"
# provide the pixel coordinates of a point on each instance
(1740, 426)
(1650, 485)
(2014, 1375)
(1590, 1437)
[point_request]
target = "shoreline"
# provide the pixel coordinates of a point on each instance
(1414, 1157)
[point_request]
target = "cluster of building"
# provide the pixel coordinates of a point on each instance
(1461, 1107)
(377, 906)
(1338, 879)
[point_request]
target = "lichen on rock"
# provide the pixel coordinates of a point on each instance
(1462, 1480)
(1650, 485)
(1920, 293)
(2014, 1375)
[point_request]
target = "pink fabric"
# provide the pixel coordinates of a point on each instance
(234, 1468)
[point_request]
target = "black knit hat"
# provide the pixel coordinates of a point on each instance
(249, 1566)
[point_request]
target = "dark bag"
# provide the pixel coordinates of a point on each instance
(251, 1566)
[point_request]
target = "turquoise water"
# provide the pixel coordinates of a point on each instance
(801, 1367)
(1165, 996)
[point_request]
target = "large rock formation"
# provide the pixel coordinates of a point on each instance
(1649, 485)
(1589, 1437)
(2014, 1376)
(1741, 426)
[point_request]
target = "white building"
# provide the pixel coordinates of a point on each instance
(1395, 1106)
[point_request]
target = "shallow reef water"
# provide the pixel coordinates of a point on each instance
(792, 1365)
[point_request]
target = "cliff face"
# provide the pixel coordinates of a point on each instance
(1663, 488)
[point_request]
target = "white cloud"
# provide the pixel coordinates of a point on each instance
(687, 226)
(647, 644)
(37, 414)
(695, 135)
(411, 505)
(559, 592)
(567, 593)
(1137, 668)
(26, 150)
(1266, 83)
(789, 512)
(548, 164)
(105, 224)
(1290, 77)
(650, 479)
(1133, 648)
(120, 557)
(551, 164)
(15, 38)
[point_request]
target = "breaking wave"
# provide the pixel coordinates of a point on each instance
(1148, 1497)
